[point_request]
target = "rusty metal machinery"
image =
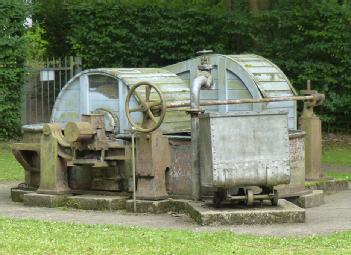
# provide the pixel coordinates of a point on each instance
(93, 153)
(82, 146)
(150, 109)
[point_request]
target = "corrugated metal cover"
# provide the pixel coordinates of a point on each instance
(267, 75)
(241, 77)
(77, 93)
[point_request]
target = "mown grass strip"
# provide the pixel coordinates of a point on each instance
(40, 237)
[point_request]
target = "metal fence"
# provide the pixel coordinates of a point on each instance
(43, 84)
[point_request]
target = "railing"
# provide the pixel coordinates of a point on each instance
(43, 84)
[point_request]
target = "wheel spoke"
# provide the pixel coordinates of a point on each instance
(151, 115)
(147, 92)
(153, 104)
(138, 97)
(144, 119)
(138, 109)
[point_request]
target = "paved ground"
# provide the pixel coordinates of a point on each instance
(338, 169)
(334, 216)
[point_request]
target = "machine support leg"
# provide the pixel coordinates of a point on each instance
(312, 125)
(53, 176)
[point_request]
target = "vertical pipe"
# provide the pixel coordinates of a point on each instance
(198, 83)
(195, 174)
(134, 174)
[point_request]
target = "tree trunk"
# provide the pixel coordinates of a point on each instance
(260, 5)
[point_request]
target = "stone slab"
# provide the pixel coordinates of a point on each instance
(84, 202)
(313, 199)
(96, 202)
(205, 214)
(17, 194)
(44, 200)
(285, 212)
(157, 207)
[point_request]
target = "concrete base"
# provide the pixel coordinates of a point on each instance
(202, 212)
(205, 214)
(314, 199)
(95, 202)
(328, 186)
(17, 194)
(44, 200)
(285, 212)
(84, 202)
(155, 207)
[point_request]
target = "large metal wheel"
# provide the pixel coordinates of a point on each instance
(153, 110)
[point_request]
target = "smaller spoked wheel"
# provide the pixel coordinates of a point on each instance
(150, 102)
(249, 197)
(274, 199)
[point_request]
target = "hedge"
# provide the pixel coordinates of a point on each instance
(311, 40)
(307, 39)
(12, 53)
(125, 33)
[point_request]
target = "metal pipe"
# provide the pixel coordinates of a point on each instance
(202, 81)
(317, 97)
(134, 172)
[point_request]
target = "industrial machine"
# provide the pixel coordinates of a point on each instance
(146, 132)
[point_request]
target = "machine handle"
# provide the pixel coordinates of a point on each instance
(153, 110)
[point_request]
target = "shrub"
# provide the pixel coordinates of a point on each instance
(12, 53)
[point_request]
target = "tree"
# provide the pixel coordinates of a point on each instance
(52, 16)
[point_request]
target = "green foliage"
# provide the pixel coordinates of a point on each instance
(311, 40)
(51, 16)
(36, 46)
(307, 39)
(12, 53)
(116, 33)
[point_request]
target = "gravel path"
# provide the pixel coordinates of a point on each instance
(333, 216)
(337, 169)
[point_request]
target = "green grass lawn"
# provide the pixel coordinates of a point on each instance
(10, 169)
(39, 237)
(337, 156)
(339, 175)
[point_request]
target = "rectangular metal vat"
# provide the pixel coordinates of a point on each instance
(244, 148)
